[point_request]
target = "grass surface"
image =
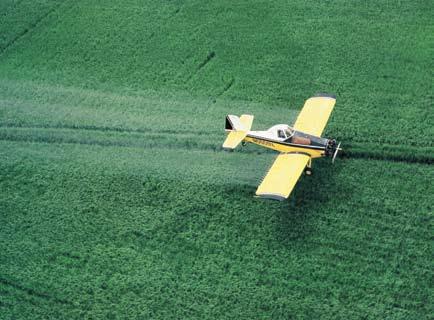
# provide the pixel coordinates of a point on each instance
(125, 231)
(116, 199)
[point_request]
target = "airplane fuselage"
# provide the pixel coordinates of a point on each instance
(297, 145)
(282, 138)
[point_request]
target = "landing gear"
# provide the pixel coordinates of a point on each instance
(308, 169)
(243, 143)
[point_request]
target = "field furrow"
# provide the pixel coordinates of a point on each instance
(41, 105)
(193, 140)
(20, 17)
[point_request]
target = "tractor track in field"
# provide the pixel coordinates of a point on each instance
(30, 28)
(347, 141)
(227, 86)
(106, 129)
(210, 56)
(356, 154)
(152, 139)
(34, 293)
(149, 145)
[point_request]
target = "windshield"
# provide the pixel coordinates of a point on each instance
(289, 132)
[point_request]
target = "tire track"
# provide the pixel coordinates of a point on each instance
(33, 292)
(225, 88)
(160, 141)
(210, 56)
(29, 28)
(380, 141)
(108, 129)
(357, 154)
(154, 142)
(347, 141)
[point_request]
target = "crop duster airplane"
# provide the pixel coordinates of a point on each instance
(297, 145)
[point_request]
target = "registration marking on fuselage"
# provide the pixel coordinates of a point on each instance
(264, 142)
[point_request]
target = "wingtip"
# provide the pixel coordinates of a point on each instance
(272, 196)
(325, 95)
(228, 149)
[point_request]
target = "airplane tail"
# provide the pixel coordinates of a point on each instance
(238, 128)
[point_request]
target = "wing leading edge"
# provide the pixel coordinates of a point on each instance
(282, 176)
(315, 114)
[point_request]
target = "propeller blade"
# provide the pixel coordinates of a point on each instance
(336, 152)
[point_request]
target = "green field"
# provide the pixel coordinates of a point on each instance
(117, 201)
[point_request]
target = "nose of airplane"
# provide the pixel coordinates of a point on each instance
(330, 147)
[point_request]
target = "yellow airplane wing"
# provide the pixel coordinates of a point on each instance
(315, 114)
(282, 176)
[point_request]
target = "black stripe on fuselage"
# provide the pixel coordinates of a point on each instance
(287, 143)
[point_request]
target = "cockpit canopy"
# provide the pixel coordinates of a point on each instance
(286, 133)
(282, 131)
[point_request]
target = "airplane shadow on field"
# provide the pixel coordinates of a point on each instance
(310, 199)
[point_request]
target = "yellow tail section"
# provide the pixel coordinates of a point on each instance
(238, 129)
(233, 139)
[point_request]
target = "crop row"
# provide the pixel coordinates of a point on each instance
(193, 141)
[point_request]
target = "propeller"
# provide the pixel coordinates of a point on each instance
(336, 152)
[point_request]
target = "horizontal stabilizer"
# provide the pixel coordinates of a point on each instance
(238, 128)
(233, 139)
